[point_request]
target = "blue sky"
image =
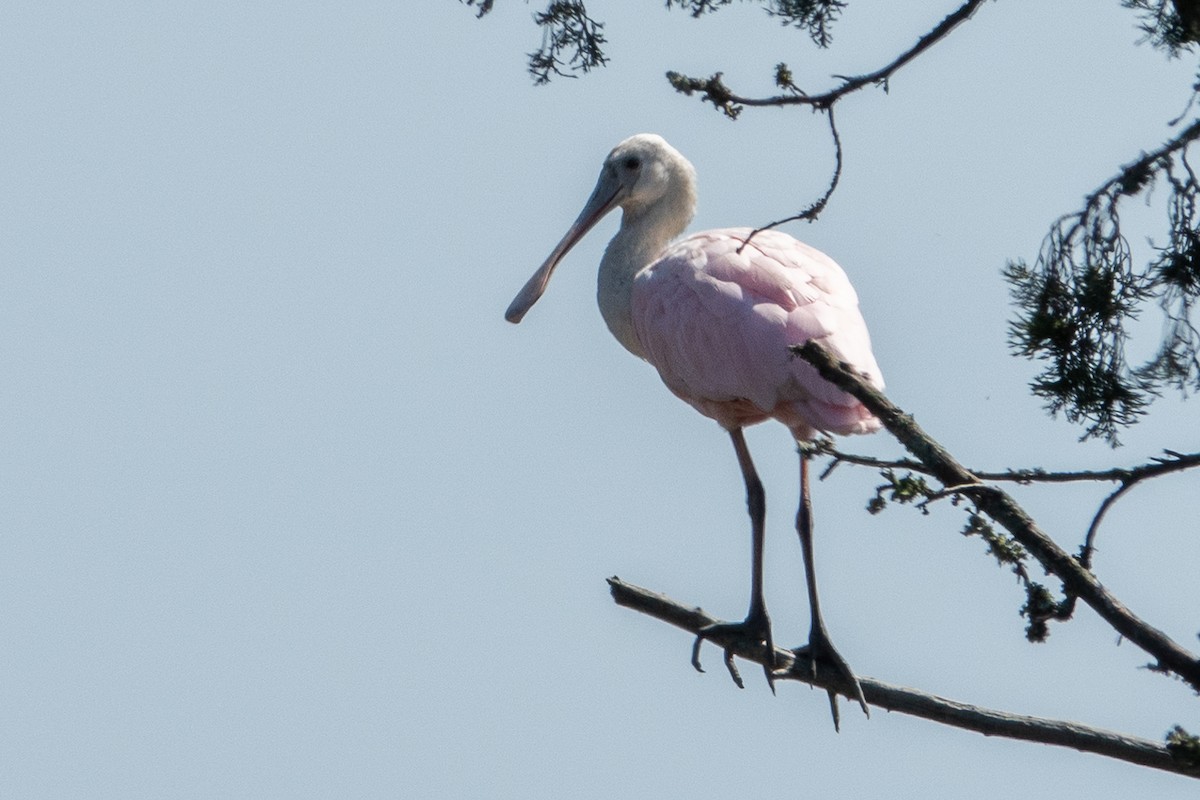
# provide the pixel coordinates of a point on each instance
(288, 510)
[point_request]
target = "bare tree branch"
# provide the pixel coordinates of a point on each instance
(989, 722)
(1077, 580)
(714, 90)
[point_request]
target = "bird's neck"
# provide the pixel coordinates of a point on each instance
(643, 235)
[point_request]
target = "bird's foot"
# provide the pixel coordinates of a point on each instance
(754, 631)
(820, 650)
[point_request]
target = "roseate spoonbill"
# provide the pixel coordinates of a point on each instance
(715, 315)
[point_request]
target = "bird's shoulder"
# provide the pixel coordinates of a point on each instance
(771, 267)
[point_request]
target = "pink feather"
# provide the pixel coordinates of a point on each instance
(717, 324)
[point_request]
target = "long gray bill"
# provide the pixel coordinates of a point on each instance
(604, 199)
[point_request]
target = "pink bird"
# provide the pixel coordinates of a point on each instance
(716, 316)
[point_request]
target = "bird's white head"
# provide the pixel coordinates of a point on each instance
(646, 177)
(648, 171)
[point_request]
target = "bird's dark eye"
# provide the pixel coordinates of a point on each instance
(631, 162)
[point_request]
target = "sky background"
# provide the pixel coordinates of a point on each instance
(287, 510)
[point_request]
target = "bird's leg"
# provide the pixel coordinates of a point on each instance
(757, 625)
(819, 647)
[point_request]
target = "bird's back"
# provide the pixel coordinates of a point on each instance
(717, 324)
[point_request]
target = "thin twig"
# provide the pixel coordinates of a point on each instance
(1076, 579)
(1127, 477)
(817, 207)
(989, 722)
(1173, 462)
(1089, 540)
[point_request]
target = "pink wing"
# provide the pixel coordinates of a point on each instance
(717, 325)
